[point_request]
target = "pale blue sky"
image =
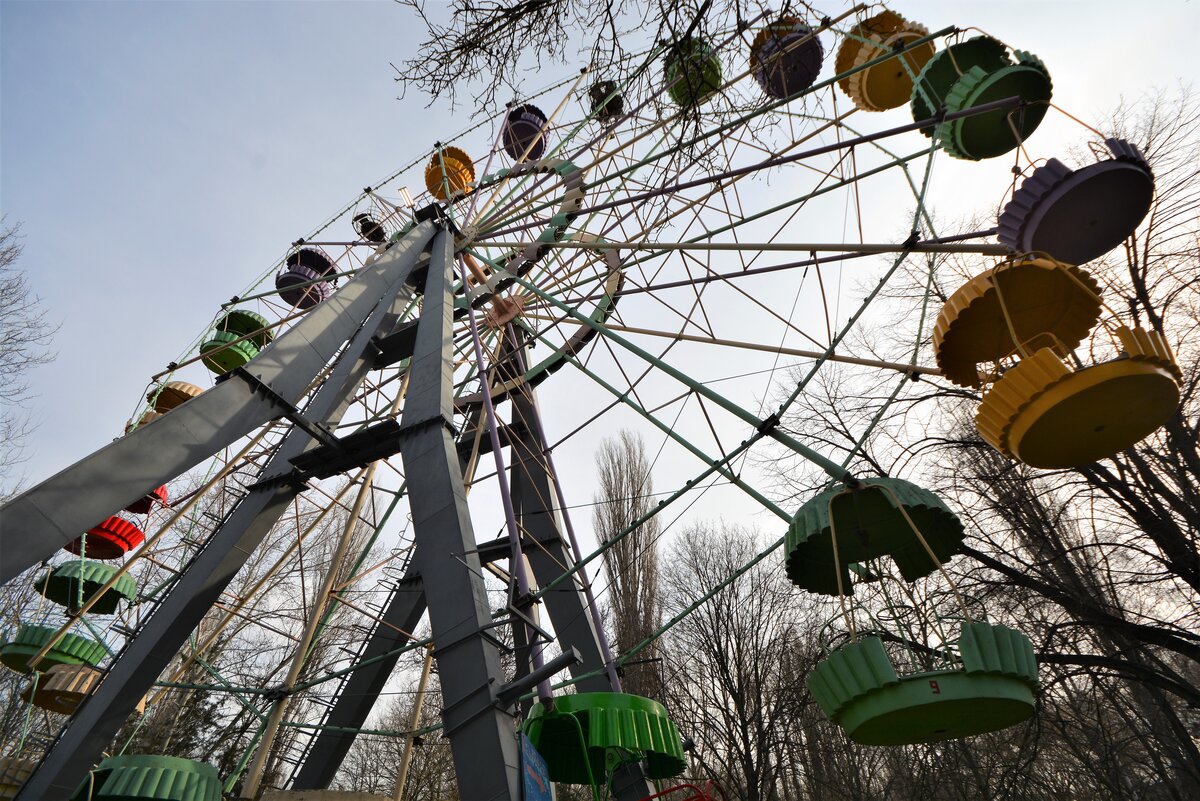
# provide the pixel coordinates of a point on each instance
(159, 155)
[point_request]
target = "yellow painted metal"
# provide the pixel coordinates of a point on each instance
(888, 84)
(173, 394)
(13, 773)
(149, 416)
(459, 172)
(1048, 415)
(62, 689)
(1040, 302)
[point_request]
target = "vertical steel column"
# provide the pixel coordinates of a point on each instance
(151, 649)
(482, 736)
(356, 697)
(534, 499)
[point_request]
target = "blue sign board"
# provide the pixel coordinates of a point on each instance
(535, 776)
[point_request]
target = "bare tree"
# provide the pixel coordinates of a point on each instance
(729, 659)
(25, 338)
(481, 44)
(373, 761)
(1097, 564)
(626, 490)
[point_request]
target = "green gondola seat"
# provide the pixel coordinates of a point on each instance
(973, 73)
(586, 730)
(150, 778)
(243, 322)
(222, 352)
(71, 649)
(984, 136)
(692, 71)
(77, 580)
(869, 526)
(941, 72)
(993, 688)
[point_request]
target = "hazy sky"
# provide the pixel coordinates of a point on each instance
(160, 154)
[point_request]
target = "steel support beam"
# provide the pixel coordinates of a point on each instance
(362, 687)
(482, 735)
(534, 499)
(148, 653)
(39, 522)
(535, 504)
(358, 694)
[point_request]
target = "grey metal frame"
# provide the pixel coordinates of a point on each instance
(444, 576)
(40, 521)
(534, 500)
(483, 740)
(204, 428)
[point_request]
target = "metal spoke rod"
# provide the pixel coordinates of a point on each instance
(785, 247)
(900, 367)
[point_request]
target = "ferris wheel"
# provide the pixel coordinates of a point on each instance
(426, 370)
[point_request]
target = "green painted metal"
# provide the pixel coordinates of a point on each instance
(744, 446)
(993, 688)
(543, 269)
(235, 775)
(670, 431)
(228, 686)
(941, 72)
(329, 676)
(222, 352)
(243, 322)
(72, 583)
(71, 649)
(615, 726)
(97, 633)
(869, 525)
(728, 126)
(832, 468)
(901, 162)
(150, 778)
(984, 136)
(334, 600)
(693, 71)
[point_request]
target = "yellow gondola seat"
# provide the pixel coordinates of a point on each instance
(1049, 415)
(449, 173)
(63, 688)
(888, 84)
(1044, 302)
(172, 394)
(149, 416)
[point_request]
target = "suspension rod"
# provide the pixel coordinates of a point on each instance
(784, 247)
